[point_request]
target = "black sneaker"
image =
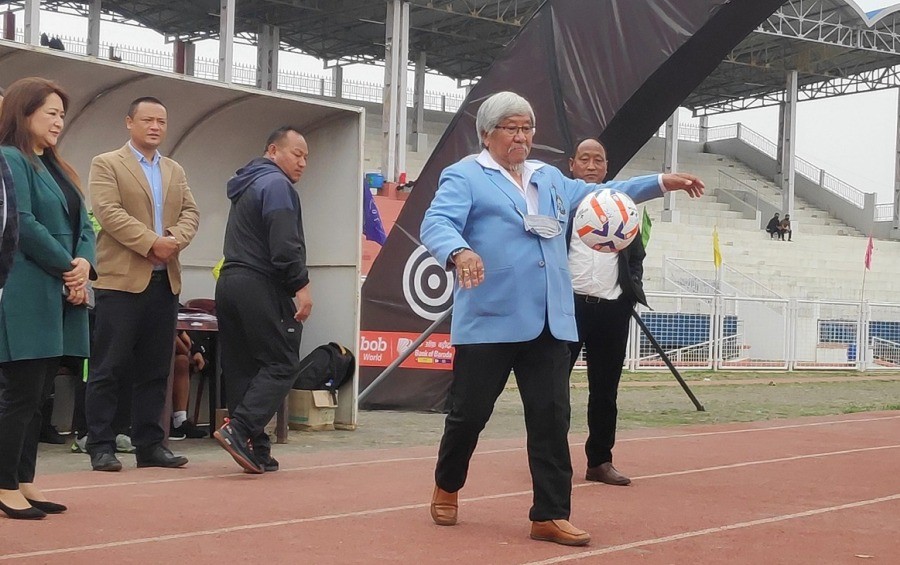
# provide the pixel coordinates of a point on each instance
(176, 434)
(191, 430)
(264, 455)
(238, 446)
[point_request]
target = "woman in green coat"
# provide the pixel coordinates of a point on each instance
(43, 314)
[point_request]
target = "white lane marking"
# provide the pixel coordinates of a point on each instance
(375, 511)
(477, 453)
(715, 530)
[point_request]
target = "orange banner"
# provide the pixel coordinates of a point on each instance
(379, 349)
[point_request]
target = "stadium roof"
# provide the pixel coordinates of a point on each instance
(835, 46)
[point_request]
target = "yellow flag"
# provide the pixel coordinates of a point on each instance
(717, 253)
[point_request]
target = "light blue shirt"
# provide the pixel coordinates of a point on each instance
(153, 172)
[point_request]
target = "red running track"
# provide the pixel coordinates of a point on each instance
(815, 490)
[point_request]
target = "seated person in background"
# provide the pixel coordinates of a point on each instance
(785, 227)
(188, 358)
(773, 228)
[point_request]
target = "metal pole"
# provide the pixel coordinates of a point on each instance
(668, 362)
(402, 357)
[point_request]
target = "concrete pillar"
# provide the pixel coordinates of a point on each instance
(226, 40)
(9, 25)
(896, 224)
(33, 22)
(396, 55)
(670, 165)
(704, 131)
(788, 133)
(337, 77)
(185, 54)
(419, 139)
(93, 38)
(268, 43)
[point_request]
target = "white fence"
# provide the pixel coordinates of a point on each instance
(246, 74)
(718, 333)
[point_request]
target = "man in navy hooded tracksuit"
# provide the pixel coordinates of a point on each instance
(262, 296)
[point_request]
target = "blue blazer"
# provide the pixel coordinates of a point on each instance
(526, 277)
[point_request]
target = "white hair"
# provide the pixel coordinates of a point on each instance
(498, 107)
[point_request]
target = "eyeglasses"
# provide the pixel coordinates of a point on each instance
(513, 130)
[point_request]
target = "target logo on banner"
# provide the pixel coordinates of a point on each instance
(427, 286)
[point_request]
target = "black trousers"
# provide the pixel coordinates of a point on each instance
(259, 344)
(134, 339)
(480, 372)
(603, 330)
(21, 396)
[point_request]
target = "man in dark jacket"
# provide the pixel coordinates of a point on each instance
(262, 296)
(773, 228)
(607, 286)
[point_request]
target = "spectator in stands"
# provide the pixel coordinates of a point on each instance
(607, 286)
(140, 277)
(499, 221)
(188, 358)
(54, 259)
(262, 296)
(773, 228)
(785, 227)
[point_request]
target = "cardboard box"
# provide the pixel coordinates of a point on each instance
(311, 410)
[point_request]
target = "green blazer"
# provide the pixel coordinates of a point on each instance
(36, 322)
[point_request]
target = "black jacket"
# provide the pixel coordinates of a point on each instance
(265, 225)
(10, 231)
(631, 271)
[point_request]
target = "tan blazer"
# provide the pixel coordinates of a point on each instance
(123, 204)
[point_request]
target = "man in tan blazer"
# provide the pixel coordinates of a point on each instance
(147, 216)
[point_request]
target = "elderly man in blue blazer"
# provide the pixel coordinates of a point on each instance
(499, 221)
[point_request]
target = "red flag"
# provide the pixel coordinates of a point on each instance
(869, 249)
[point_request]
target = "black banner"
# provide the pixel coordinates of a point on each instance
(616, 69)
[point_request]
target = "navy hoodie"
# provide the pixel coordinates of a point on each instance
(265, 226)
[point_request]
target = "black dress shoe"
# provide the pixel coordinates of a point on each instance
(47, 506)
(159, 456)
(30, 513)
(105, 461)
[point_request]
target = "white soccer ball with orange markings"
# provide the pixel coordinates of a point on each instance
(606, 220)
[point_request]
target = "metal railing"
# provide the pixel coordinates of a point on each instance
(884, 212)
(801, 166)
(694, 275)
(246, 74)
(884, 352)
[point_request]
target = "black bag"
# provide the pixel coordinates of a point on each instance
(327, 367)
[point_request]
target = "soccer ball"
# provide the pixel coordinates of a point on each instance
(606, 220)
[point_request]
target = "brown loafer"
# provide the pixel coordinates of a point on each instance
(559, 531)
(606, 473)
(444, 507)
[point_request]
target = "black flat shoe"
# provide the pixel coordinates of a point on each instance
(47, 506)
(30, 513)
